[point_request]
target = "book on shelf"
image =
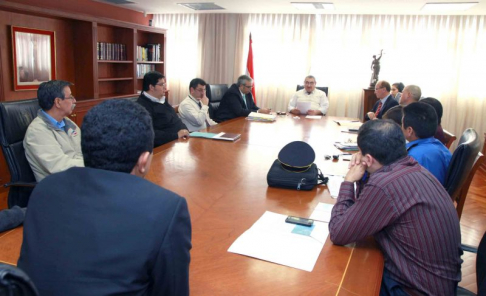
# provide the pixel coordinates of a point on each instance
(148, 53)
(221, 136)
(254, 116)
(111, 51)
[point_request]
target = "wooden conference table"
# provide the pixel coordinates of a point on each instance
(226, 189)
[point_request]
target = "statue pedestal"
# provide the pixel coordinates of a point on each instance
(369, 100)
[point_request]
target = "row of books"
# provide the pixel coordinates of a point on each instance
(111, 51)
(142, 69)
(148, 53)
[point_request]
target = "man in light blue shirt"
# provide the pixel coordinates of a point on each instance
(419, 125)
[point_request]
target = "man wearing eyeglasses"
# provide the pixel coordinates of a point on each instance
(385, 101)
(238, 101)
(52, 142)
(194, 109)
(317, 98)
(167, 125)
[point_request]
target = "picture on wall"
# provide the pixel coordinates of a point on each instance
(34, 57)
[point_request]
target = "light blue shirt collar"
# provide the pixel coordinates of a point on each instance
(59, 124)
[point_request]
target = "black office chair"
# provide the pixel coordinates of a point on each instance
(15, 118)
(480, 268)
(462, 162)
(215, 93)
(14, 282)
(323, 88)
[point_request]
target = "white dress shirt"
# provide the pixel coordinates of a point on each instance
(317, 98)
(194, 117)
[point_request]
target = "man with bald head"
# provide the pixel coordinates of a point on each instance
(385, 101)
(410, 94)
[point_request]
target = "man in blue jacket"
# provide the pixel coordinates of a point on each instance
(103, 229)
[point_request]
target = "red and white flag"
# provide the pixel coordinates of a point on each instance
(249, 69)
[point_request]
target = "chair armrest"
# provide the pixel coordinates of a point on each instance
(469, 248)
(20, 184)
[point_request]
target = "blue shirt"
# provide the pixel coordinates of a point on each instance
(58, 124)
(432, 155)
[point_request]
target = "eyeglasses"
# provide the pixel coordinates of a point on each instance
(70, 98)
(161, 84)
(379, 88)
(310, 82)
(201, 89)
(250, 87)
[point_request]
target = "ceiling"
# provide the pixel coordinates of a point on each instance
(395, 7)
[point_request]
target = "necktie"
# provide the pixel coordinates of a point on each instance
(207, 122)
(378, 109)
(244, 101)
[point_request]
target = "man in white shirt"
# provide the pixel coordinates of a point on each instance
(317, 98)
(193, 110)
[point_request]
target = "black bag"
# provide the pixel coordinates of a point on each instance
(306, 180)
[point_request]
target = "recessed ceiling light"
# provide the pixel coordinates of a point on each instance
(451, 6)
(201, 6)
(313, 5)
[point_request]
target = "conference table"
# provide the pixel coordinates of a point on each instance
(225, 185)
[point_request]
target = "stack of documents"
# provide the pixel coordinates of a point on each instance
(346, 146)
(261, 117)
(274, 240)
(334, 184)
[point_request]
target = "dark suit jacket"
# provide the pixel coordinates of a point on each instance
(98, 232)
(232, 105)
(390, 102)
(165, 121)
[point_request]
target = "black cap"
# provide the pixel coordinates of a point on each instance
(297, 156)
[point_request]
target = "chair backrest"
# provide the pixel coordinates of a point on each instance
(15, 118)
(215, 93)
(462, 162)
(461, 198)
(14, 282)
(481, 267)
(450, 138)
(323, 88)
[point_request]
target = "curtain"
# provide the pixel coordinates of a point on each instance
(182, 54)
(444, 55)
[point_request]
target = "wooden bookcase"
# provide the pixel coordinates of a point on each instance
(77, 61)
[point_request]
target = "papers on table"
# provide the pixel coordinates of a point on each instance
(334, 184)
(348, 146)
(253, 116)
(271, 239)
(322, 212)
(303, 107)
(314, 116)
(220, 136)
(355, 124)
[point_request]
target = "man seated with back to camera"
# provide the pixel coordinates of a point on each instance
(167, 125)
(52, 142)
(317, 98)
(238, 101)
(103, 229)
(405, 209)
(419, 125)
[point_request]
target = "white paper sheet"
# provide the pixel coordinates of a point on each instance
(271, 239)
(303, 107)
(314, 116)
(334, 184)
(322, 212)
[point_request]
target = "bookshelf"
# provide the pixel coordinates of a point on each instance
(143, 38)
(77, 52)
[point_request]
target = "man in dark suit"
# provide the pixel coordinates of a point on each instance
(167, 125)
(238, 101)
(103, 229)
(385, 101)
